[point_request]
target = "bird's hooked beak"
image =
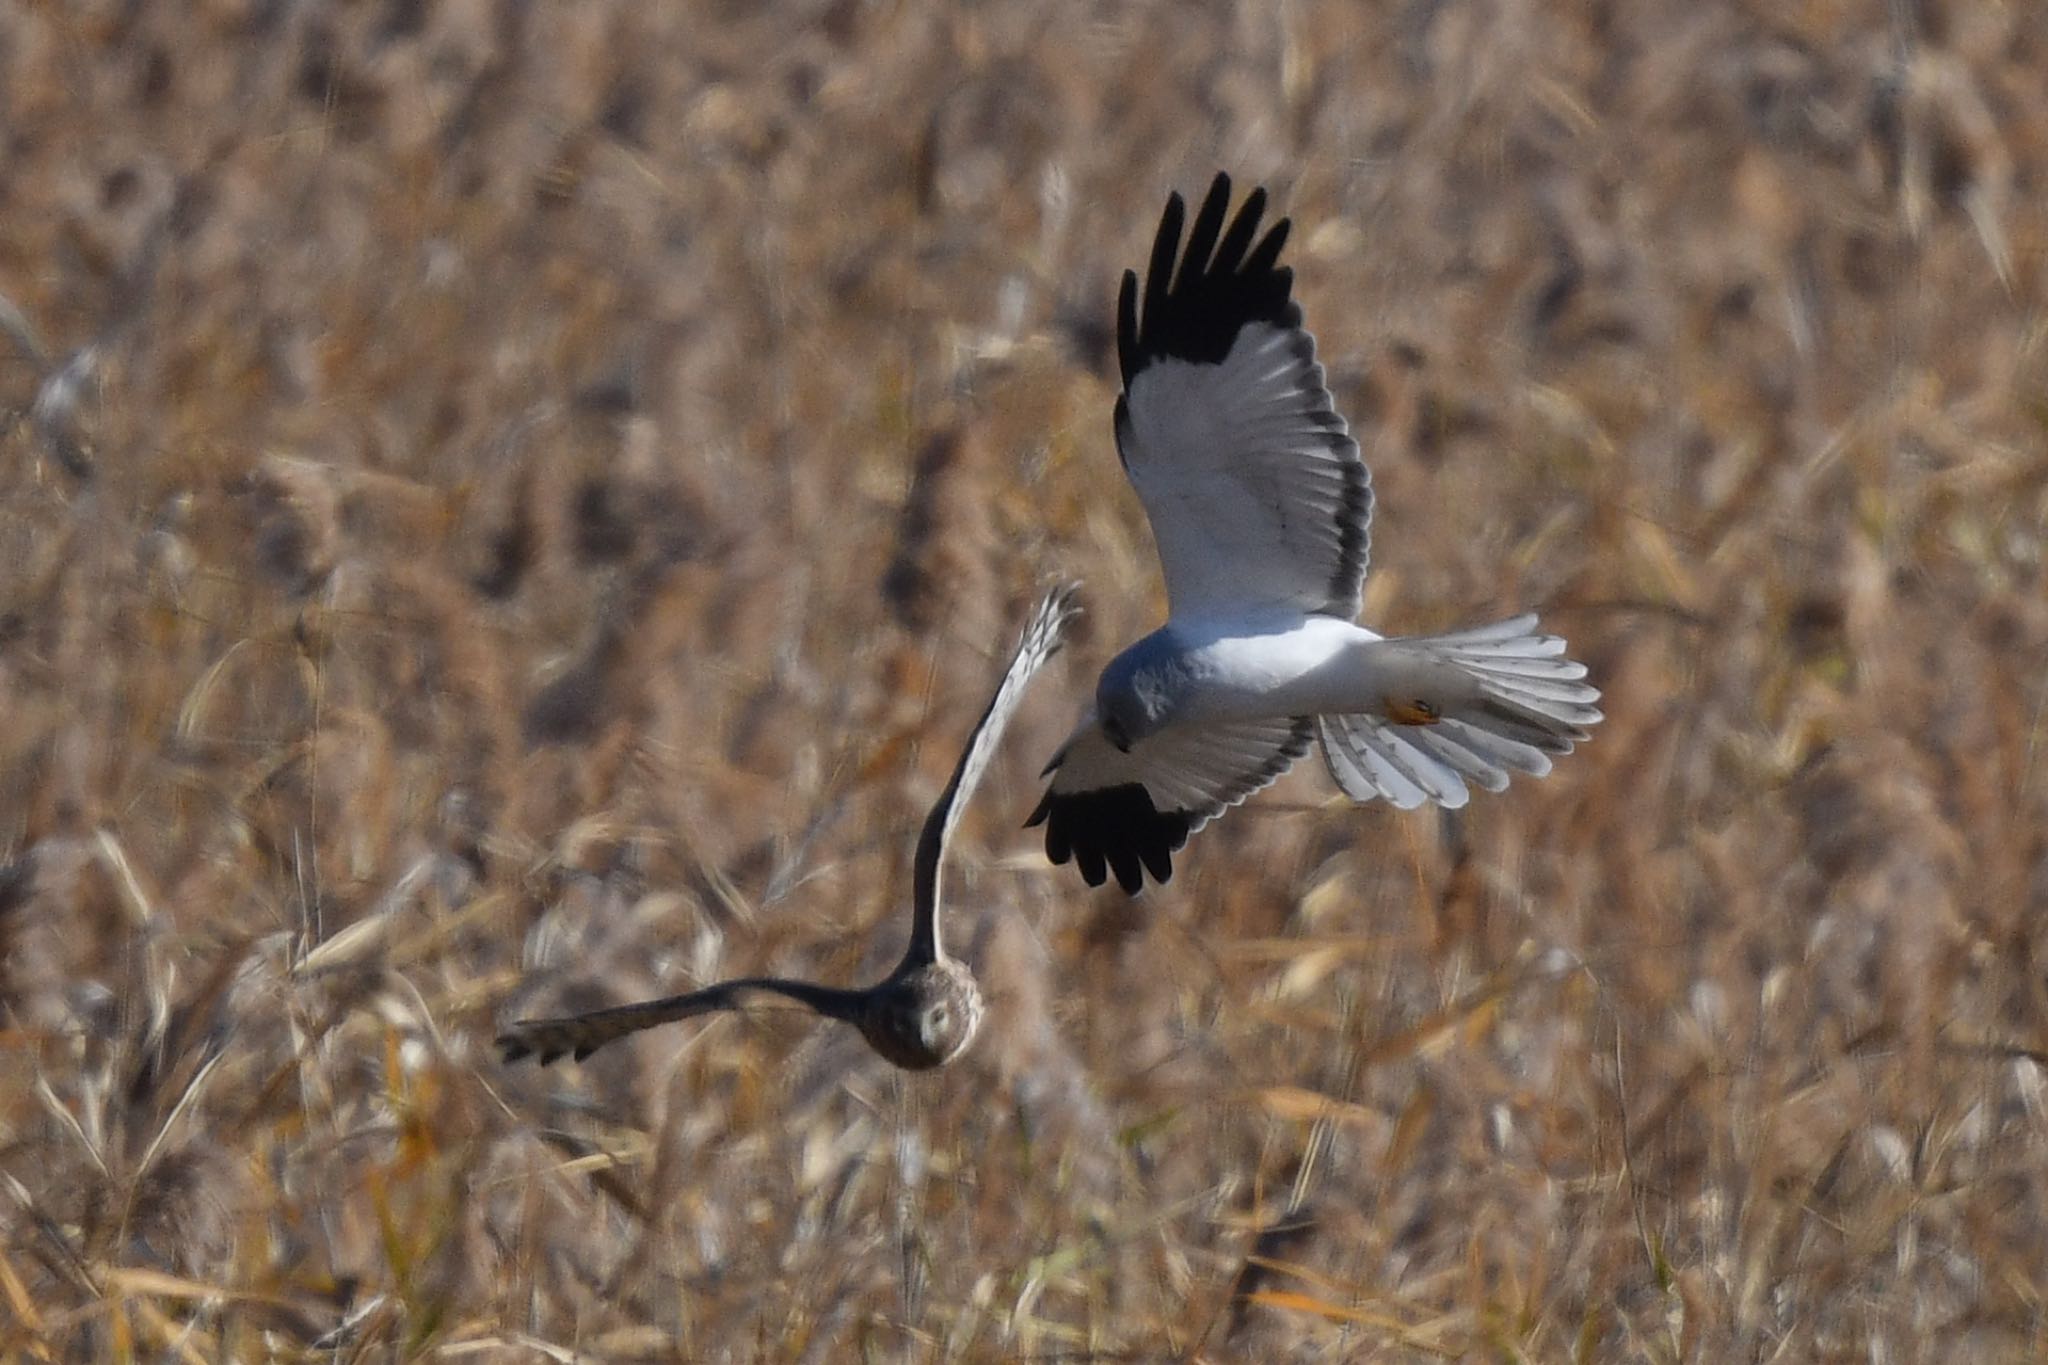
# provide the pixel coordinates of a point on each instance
(1114, 733)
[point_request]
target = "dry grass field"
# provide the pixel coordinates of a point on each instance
(507, 506)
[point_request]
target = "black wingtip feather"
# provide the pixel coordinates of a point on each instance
(1127, 324)
(1112, 829)
(1194, 261)
(1196, 313)
(1230, 256)
(1159, 270)
(1267, 257)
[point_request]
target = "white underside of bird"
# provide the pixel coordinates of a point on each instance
(1408, 719)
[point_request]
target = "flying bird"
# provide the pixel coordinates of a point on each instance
(926, 1011)
(1261, 510)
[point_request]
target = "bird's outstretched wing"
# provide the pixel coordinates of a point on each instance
(1042, 639)
(1255, 490)
(579, 1035)
(1127, 813)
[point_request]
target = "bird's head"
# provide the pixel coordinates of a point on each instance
(1135, 697)
(924, 1018)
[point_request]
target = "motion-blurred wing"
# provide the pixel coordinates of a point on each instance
(1127, 813)
(1042, 639)
(1254, 488)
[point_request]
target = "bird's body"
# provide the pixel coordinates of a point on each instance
(926, 1011)
(1213, 672)
(923, 1017)
(1261, 510)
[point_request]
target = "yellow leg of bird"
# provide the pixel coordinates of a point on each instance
(1413, 711)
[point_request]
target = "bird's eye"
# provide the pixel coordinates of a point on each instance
(938, 1022)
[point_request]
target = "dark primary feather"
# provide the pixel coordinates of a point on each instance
(1119, 828)
(1112, 829)
(1196, 314)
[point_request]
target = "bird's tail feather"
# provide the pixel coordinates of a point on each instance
(1514, 701)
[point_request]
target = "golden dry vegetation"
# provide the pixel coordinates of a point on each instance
(513, 506)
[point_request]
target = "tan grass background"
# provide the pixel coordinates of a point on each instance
(507, 506)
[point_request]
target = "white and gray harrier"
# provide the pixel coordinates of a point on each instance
(1261, 510)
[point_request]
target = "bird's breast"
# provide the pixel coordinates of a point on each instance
(1307, 668)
